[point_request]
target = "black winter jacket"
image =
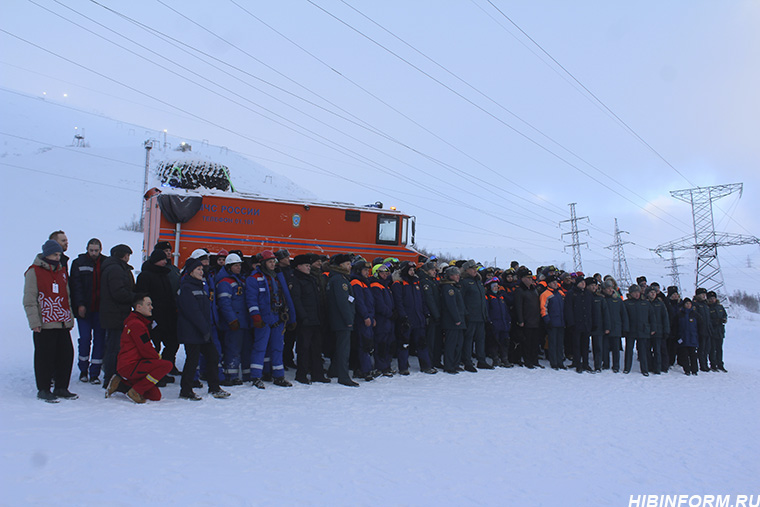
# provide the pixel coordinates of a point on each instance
(431, 294)
(618, 315)
(156, 282)
(453, 309)
(305, 294)
(661, 318)
(701, 308)
(474, 296)
(527, 306)
(116, 293)
(340, 300)
(640, 318)
(579, 305)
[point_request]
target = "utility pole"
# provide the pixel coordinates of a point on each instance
(705, 241)
(148, 145)
(574, 236)
(620, 270)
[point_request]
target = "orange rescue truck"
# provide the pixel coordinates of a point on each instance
(216, 221)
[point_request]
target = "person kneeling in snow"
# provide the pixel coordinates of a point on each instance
(139, 366)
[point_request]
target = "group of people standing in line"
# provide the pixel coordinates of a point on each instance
(240, 318)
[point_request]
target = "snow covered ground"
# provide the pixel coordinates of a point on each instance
(504, 437)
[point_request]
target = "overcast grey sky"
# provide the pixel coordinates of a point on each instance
(471, 115)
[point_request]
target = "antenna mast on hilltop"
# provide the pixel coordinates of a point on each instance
(705, 240)
(620, 270)
(574, 235)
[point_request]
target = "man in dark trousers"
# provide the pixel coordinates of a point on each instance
(432, 295)
(640, 328)
(194, 329)
(410, 328)
(600, 321)
(474, 296)
(154, 280)
(86, 273)
(618, 326)
(340, 301)
(718, 319)
(578, 315)
(289, 338)
(453, 313)
(139, 364)
(309, 313)
(661, 329)
(527, 317)
(116, 293)
(706, 332)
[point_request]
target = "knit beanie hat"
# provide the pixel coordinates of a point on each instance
(50, 247)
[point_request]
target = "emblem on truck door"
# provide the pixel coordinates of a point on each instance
(296, 220)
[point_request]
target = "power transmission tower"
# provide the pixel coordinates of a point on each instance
(675, 276)
(574, 235)
(620, 270)
(705, 241)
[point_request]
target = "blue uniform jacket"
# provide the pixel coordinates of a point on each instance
(498, 312)
(230, 300)
(383, 300)
(688, 328)
(407, 299)
(194, 312)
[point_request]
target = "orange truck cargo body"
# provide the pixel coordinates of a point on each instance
(254, 224)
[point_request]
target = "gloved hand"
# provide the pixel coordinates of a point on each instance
(291, 326)
(207, 337)
(368, 344)
(258, 321)
(234, 325)
(405, 326)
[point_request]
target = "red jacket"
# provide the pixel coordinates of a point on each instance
(136, 344)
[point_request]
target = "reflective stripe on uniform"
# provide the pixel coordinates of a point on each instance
(150, 377)
(253, 308)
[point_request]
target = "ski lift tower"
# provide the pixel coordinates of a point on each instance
(705, 241)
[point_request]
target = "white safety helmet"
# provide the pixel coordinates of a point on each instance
(198, 253)
(233, 258)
